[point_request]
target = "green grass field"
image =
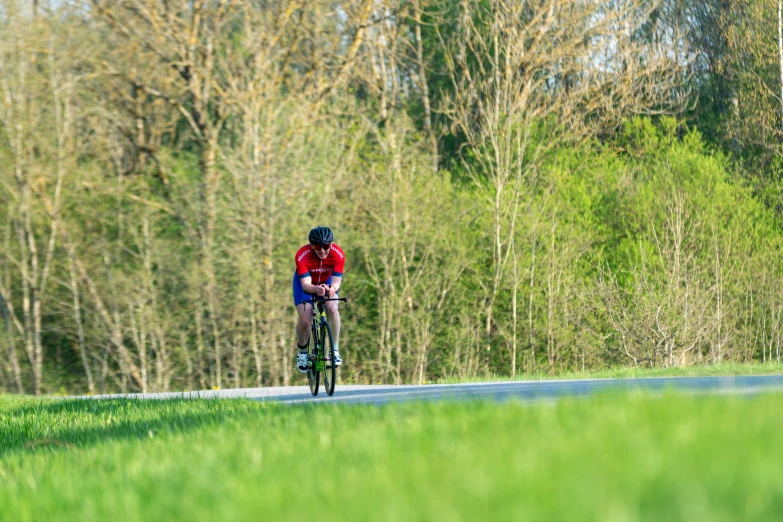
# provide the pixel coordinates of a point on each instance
(607, 458)
(705, 370)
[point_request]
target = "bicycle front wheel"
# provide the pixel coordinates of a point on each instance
(330, 369)
(313, 376)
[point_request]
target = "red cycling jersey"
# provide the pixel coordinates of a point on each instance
(309, 265)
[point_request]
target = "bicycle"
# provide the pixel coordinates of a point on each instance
(320, 357)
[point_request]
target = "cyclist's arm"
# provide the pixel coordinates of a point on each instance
(336, 282)
(310, 288)
(337, 273)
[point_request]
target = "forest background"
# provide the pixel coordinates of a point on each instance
(519, 186)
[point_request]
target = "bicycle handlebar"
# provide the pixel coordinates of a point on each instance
(321, 299)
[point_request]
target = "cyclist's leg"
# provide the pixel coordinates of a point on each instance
(305, 312)
(334, 321)
(333, 313)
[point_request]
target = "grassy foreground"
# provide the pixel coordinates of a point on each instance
(608, 458)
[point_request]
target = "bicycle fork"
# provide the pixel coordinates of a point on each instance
(319, 360)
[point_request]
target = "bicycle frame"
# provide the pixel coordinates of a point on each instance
(319, 319)
(320, 356)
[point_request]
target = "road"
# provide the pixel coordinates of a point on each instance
(500, 391)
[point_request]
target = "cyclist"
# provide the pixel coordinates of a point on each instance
(319, 271)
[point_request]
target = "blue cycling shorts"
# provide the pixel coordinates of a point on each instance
(299, 293)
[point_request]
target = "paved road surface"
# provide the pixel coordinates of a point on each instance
(514, 390)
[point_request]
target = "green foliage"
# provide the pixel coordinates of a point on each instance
(672, 168)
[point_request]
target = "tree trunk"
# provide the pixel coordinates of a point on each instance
(425, 94)
(77, 313)
(531, 338)
(254, 339)
(514, 314)
(780, 55)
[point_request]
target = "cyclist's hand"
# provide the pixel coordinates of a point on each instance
(332, 291)
(320, 290)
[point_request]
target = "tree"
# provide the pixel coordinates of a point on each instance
(37, 111)
(529, 77)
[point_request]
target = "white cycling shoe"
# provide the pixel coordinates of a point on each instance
(301, 362)
(337, 359)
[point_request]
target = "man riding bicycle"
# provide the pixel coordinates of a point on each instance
(319, 271)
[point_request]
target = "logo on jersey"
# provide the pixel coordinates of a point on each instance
(303, 255)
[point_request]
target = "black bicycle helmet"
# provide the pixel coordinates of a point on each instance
(321, 236)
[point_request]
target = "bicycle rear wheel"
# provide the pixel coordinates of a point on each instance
(330, 370)
(313, 376)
